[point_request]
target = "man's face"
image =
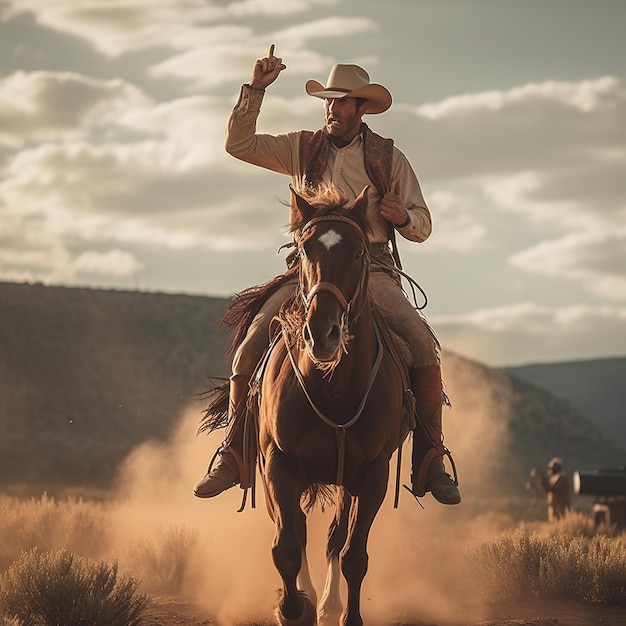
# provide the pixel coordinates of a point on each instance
(342, 117)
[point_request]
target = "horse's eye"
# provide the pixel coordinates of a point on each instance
(360, 253)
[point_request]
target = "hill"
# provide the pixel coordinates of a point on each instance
(87, 375)
(594, 388)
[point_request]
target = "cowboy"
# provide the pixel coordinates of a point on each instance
(347, 153)
(557, 488)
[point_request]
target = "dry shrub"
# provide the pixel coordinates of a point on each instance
(52, 588)
(568, 563)
(591, 569)
(50, 525)
(577, 524)
(162, 564)
(507, 566)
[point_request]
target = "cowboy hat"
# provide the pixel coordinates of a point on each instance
(351, 81)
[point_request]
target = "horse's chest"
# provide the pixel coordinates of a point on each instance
(309, 437)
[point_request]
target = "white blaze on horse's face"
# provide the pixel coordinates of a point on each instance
(330, 238)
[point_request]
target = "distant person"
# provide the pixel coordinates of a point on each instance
(557, 487)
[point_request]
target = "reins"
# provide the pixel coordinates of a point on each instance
(346, 306)
(340, 429)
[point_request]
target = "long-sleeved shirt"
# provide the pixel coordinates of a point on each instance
(345, 167)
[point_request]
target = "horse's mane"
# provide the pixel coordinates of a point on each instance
(323, 196)
(326, 198)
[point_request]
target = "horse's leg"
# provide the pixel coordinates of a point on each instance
(330, 607)
(304, 582)
(354, 557)
(289, 539)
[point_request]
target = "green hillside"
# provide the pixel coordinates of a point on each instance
(86, 375)
(595, 388)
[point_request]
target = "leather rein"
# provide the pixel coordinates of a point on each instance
(346, 305)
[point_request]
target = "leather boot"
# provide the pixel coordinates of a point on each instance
(226, 466)
(428, 472)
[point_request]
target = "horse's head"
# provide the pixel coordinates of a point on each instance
(334, 268)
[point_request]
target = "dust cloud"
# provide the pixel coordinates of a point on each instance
(418, 571)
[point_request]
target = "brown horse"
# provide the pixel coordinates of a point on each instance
(331, 409)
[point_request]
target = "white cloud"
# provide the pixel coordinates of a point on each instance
(548, 156)
(549, 129)
(456, 225)
(515, 334)
(122, 26)
(232, 46)
(43, 105)
(589, 96)
(111, 263)
(39, 256)
(335, 27)
(275, 7)
(595, 259)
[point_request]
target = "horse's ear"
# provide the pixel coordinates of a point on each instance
(300, 211)
(360, 204)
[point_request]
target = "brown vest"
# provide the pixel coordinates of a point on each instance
(378, 157)
(378, 152)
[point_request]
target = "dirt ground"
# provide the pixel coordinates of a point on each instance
(168, 611)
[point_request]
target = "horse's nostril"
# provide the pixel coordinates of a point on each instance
(334, 333)
(306, 333)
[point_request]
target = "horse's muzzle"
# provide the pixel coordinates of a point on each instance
(324, 343)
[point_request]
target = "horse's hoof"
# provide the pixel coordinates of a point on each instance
(308, 617)
(328, 619)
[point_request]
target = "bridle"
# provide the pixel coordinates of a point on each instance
(346, 305)
(328, 287)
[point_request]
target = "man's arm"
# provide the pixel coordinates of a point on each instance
(273, 152)
(404, 206)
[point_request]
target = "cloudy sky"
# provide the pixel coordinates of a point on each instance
(513, 114)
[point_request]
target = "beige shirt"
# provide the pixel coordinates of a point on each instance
(345, 167)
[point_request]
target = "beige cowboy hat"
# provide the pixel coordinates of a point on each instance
(351, 81)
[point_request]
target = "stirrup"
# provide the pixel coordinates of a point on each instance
(422, 474)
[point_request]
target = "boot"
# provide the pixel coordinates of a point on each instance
(226, 466)
(428, 472)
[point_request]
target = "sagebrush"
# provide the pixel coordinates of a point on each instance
(562, 560)
(53, 588)
(50, 524)
(162, 564)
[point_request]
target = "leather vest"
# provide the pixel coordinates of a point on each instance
(378, 152)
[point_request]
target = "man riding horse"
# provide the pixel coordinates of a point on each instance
(347, 153)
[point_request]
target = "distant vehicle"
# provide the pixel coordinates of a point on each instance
(609, 488)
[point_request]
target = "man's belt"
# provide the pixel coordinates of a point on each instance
(379, 249)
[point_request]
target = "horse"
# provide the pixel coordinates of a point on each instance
(331, 410)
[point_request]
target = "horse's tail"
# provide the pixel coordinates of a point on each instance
(324, 495)
(216, 414)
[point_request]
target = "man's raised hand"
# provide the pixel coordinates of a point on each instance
(266, 70)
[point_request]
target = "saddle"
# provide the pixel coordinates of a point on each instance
(216, 414)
